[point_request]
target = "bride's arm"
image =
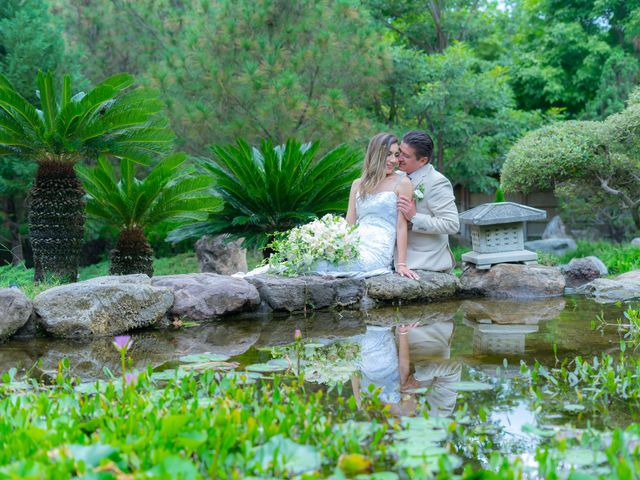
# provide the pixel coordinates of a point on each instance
(351, 210)
(405, 189)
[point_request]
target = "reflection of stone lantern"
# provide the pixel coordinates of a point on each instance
(499, 339)
(497, 233)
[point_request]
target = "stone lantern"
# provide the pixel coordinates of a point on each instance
(497, 233)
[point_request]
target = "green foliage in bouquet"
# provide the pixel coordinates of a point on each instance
(171, 192)
(329, 238)
(274, 188)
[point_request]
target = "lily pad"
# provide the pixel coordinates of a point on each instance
(169, 374)
(471, 386)
(429, 462)
(199, 367)
(528, 428)
(583, 457)
(573, 407)
(280, 453)
(378, 476)
(203, 358)
(423, 436)
(91, 455)
(265, 368)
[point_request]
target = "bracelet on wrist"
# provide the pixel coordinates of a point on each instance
(401, 264)
(402, 333)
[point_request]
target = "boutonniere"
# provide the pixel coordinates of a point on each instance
(418, 193)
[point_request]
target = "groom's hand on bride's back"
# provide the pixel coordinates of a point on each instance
(407, 206)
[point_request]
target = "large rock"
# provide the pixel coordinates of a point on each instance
(102, 306)
(556, 246)
(583, 270)
(217, 254)
(632, 275)
(203, 296)
(15, 310)
(636, 242)
(606, 290)
(509, 280)
(395, 288)
(309, 291)
(555, 229)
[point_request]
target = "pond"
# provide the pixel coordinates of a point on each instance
(465, 357)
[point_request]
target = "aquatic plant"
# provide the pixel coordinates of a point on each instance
(212, 423)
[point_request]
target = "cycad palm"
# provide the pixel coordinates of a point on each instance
(112, 119)
(274, 188)
(171, 192)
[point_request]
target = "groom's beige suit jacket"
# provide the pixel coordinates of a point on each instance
(436, 218)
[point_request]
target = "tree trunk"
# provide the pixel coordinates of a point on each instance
(132, 254)
(440, 153)
(56, 221)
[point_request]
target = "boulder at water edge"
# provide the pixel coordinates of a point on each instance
(218, 254)
(510, 280)
(625, 287)
(102, 306)
(636, 242)
(203, 296)
(308, 291)
(15, 310)
(583, 270)
(395, 288)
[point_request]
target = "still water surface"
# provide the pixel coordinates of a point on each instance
(456, 342)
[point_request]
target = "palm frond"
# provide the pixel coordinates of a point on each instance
(129, 201)
(274, 188)
(47, 99)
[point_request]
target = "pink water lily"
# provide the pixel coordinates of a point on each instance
(131, 377)
(297, 334)
(122, 343)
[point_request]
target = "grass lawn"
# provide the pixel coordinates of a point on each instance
(23, 277)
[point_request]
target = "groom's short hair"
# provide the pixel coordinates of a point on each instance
(421, 142)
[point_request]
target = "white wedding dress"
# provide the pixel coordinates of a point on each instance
(376, 217)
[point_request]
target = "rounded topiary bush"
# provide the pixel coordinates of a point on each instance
(552, 154)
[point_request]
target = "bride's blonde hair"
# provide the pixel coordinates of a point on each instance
(374, 169)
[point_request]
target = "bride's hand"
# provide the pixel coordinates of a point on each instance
(406, 272)
(404, 328)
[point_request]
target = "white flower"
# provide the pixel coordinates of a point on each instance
(418, 193)
(330, 238)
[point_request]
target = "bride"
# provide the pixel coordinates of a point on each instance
(372, 206)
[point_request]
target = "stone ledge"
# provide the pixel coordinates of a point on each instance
(309, 291)
(431, 286)
(509, 280)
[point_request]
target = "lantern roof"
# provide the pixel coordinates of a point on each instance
(501, 212)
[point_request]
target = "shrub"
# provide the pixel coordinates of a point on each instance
(272, 188)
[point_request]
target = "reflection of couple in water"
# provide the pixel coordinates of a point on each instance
(386, 364)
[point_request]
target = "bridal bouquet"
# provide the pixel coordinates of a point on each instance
(329, 238)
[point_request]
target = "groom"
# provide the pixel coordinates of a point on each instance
(432, 213)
